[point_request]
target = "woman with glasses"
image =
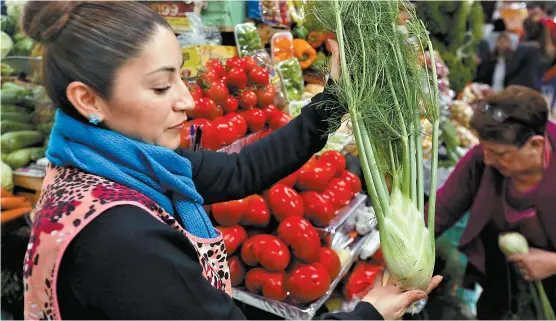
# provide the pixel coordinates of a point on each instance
(507, 183)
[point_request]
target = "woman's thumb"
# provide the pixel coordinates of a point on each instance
(411, 297)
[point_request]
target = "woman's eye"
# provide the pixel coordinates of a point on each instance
(161, 91)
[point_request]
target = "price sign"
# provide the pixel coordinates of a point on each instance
(174, 12)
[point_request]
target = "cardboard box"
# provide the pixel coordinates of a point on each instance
(174, 12)
(195, 57)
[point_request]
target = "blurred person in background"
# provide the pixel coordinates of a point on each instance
(506, 183)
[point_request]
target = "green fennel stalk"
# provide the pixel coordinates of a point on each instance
(387, 91)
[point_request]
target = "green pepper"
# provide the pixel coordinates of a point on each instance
(300, 32)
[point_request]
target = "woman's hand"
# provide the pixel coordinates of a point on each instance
(536, 265)
(392, 302)
(334, 60)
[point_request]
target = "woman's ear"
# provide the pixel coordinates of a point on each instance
(537, 142)
(85, 100)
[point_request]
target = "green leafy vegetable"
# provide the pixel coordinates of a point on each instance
(387, 90)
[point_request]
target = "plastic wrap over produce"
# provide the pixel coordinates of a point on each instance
(337, 229)
(199, 34)
(272, 12)
(289, 310)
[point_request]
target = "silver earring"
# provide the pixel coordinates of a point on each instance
(94, 119)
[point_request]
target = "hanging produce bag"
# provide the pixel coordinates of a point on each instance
(247, 38)
(272, 12)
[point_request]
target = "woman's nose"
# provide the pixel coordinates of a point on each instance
(185, 101)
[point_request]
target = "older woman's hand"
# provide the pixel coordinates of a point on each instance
(392, 302)
(536, 265)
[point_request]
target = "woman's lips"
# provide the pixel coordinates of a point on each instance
(180, 125)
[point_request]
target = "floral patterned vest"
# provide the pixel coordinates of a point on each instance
(70, 200)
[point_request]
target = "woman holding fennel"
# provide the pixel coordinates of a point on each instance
(507, 184)
(120, 231)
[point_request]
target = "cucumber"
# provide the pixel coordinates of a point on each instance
(11, 85)
(21, 139)
(7, 126)
(10, 108)
(22, 157)
(18, 116)
(13, 96)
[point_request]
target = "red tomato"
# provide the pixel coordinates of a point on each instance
(216, 65)
(331, 197)
(237, 78)
(248, 63)
(352, 180)
(218, 92)
(224, 80)
(278, 119)
(269, 110)
(229, 213)
(290, 180)
(209, 140)
(301, 236)
(319, 210)
(248, 99)
(206, 78)
(315, 177)
(259, 76)
(231, 104)
(307, 283)
(272, 285)
(258, 213)
(239, 122)
(361, 279)
(266, 95)
(205, 108)
(255, 118)
(342, 191)
(233, 237)
(195, 91)
(237, 270)
(330, 259)
(267, 250)
(227, 131)
(334, 159)
(234, 62)
(284, 202)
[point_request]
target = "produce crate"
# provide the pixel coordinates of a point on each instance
(336, 231)
(287, 309)
(236, 146)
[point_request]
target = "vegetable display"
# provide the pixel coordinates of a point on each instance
(229, 101)
(515, 243)
(382, 85)
(292, 79)
(27, 119)
(275, 240)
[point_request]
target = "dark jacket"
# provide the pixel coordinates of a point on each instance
(524, 67)
(476, 188)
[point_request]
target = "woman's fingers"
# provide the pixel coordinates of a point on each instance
(334, 60)
(435, 281)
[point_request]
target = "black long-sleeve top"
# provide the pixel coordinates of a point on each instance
(127, 265)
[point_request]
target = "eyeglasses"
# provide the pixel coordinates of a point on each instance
(498, 115)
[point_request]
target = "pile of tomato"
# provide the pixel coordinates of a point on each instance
(231, 100)
(273, 246)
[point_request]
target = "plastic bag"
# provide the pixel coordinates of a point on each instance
(292, 79)
(282, 46)
(247, 38)
(272, 12)
(199, 34)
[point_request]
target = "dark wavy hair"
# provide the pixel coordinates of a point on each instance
(87, 41)
(526, 111)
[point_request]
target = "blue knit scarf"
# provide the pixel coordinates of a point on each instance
(152, 170)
